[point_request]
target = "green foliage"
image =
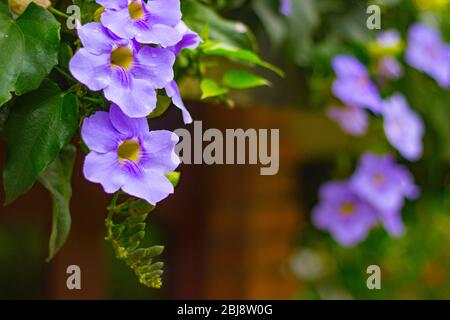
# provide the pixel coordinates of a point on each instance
(50, 118)
(240, 55)
(88, 9)
(28, 50)
(162, 105)
(198, 15)
(125, 228)
(126, 236)
(57, 180)
(211, 88)
(174, 178)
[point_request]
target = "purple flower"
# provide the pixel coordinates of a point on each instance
(389, 68)
(353, 120)
(353, 85)
(286, 7)
(127, 73)
(427, 52)
(126, 155)
(343, 213)
(382, 183)
(151, 22)
(403, 127)
(190, 40)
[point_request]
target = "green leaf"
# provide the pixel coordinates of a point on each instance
(28, 50)
(197, 16)
(210, 89)
(38, 126)
(11, 49)
(41, 34)
(161, 106)
(174, 177)
(225, 50)
(57, 180)
(237, 79)
(88, 10)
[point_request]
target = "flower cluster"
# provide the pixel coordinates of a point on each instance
(403, 127)
(377, 189)
(129, 55)
(375, 193)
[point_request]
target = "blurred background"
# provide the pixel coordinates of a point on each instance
(233, 234)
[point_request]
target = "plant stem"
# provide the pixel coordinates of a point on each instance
(64, 73)
(56, 12)
(91, 99)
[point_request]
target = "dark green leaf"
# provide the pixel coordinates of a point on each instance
(38, 126)
(57, 180)
(28, 50)
(41, 34)
(11, 49)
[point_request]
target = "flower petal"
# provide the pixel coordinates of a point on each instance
(92, 70)
(99, 134)
(152, 186)
(131, 127)
(119, 22)
(104, 169)
(113, 4)
(95, 38)
(174, 93)
(155, 65)
(161, 34)
(160, 151)
(136, 99)
(393, 223)
(166, 12)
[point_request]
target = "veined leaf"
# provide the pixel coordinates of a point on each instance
(28, 50)
(39, 125)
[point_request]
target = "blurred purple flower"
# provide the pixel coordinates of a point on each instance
(392, 223)
(127, 73)
(427, 52)
(389, 68)
(388, 39)
(286, 7)
(353, 120)
(151, 22)
(343, 213)
(383, 183)
(403, 127)
(353, 85)
(126, 155)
